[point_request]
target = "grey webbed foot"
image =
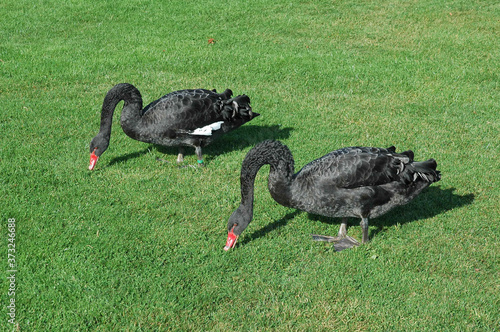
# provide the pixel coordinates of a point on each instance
(340, 243)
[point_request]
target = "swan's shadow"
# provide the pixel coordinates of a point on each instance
(132, 155)
(270, 227)
(429, 203)
(248, 135)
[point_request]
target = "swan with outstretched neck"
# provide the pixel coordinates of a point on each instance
(360, 182)
(181, 118)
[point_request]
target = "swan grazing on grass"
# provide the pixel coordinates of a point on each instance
(360, 182)
(181, 118)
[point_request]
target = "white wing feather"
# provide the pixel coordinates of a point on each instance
(207, 130)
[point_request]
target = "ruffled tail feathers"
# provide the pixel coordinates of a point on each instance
(238, 107)
(225, 95)
(423, 170)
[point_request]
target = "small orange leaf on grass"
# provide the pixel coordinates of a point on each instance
(211, 41)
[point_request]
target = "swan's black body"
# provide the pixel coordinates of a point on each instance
(173, 119)
(361, 182)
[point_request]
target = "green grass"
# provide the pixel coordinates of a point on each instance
(137, 244)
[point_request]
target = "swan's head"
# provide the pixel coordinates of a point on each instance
(237, 223)
(98, 145)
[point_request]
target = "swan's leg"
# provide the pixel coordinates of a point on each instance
(364, 227)
(199, 155)
(343, 228)
(180, 156)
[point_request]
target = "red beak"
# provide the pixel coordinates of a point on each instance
(93, 160)
(231, 240)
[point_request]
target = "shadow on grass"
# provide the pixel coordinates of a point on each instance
(127, 156)
(245, 136)
(270, 227)
(239, 139)
(429, 203)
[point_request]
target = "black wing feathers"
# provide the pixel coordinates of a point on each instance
(355, 167)
(192, 109)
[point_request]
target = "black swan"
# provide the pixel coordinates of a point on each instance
(181, 118)
(362, 182)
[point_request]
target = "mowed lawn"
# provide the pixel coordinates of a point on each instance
(137, 244)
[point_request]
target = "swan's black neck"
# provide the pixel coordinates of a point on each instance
(280, 179)
(131, 112)
(279, 157)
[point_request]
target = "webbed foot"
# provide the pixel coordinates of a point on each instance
(340, 243)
